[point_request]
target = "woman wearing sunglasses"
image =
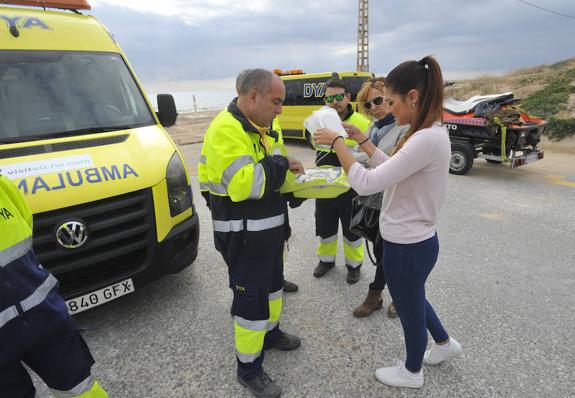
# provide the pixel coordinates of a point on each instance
(414, 178)
(384, 133)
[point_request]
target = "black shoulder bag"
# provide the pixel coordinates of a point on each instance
(365, 212)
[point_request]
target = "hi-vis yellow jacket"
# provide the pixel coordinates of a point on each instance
(240, 180)
(29, 303)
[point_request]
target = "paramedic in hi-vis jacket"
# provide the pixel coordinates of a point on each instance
(329, 212)
(35, 327)
(240, 179)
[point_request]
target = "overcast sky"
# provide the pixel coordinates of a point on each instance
(174, 40)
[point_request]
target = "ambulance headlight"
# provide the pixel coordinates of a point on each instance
(179, 192)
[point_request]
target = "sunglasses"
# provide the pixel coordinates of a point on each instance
(339, 97)
(375, 101)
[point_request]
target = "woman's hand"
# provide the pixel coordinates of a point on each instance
(324, 136)
(354, 132)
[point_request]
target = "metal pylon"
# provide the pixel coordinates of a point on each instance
(363, 37)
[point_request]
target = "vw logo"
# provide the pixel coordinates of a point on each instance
(72, 234)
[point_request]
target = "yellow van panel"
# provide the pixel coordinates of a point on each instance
(56, 180)
(61, 179)
(324, 75)
(53, 30)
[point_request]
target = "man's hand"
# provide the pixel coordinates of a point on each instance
(295, 166)
(354, 132)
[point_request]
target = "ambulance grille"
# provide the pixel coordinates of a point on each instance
(61, 146)
(121, 240)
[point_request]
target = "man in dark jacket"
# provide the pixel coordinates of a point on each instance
(35, 327)
(240, 177)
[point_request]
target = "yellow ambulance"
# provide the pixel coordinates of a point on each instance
(304, 94)
(110, 192)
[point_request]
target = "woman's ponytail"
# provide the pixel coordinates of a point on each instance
(424, 76)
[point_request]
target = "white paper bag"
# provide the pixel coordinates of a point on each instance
(324, 117)
(329, 118)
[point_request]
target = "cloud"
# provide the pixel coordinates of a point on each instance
(196, 40)
(192, 12)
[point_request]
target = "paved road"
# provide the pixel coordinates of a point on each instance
(503, 286)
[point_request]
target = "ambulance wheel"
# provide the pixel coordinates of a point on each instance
(461, 158)
(309, 139)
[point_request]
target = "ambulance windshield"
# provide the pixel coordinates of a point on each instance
(46, 94)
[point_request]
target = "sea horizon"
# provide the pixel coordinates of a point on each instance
(197, 100)
(204, 95)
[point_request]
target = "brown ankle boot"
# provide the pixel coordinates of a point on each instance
(372, 302)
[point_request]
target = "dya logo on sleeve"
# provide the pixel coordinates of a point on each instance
(5, 214)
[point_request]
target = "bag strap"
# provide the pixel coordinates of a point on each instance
(369, 253)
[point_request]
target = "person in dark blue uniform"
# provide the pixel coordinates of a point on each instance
(35, 327)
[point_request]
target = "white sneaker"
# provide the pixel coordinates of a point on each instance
(439, 353)
(399, 376)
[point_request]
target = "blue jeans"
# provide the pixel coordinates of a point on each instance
(406, 268)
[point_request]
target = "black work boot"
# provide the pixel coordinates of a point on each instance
(287, 342)
(262, 386)
(353, 275)
(322, 269)
(290, 287)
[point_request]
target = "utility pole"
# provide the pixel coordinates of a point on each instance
(363, 37)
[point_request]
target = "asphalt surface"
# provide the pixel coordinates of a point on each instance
(503, 286)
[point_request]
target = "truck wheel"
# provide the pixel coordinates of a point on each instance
(461, 158)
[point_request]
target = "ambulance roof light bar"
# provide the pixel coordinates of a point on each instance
(63, 4)
(280, 72)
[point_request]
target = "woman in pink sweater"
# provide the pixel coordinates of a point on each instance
(414, 180)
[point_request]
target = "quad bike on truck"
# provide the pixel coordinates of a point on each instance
(492, 128)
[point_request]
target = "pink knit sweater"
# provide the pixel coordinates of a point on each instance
(414, 181)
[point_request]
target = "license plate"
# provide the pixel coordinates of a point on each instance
(531, 157)
(99, 297)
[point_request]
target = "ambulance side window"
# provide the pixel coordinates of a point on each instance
(291, 92)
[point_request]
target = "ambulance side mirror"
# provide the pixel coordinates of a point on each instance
(167, 112)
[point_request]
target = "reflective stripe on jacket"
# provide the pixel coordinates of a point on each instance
(243, 182)
(29, 304)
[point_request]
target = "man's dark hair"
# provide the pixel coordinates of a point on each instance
(336, 83)
(254, 79)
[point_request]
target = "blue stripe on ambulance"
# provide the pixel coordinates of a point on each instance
(76, 178)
